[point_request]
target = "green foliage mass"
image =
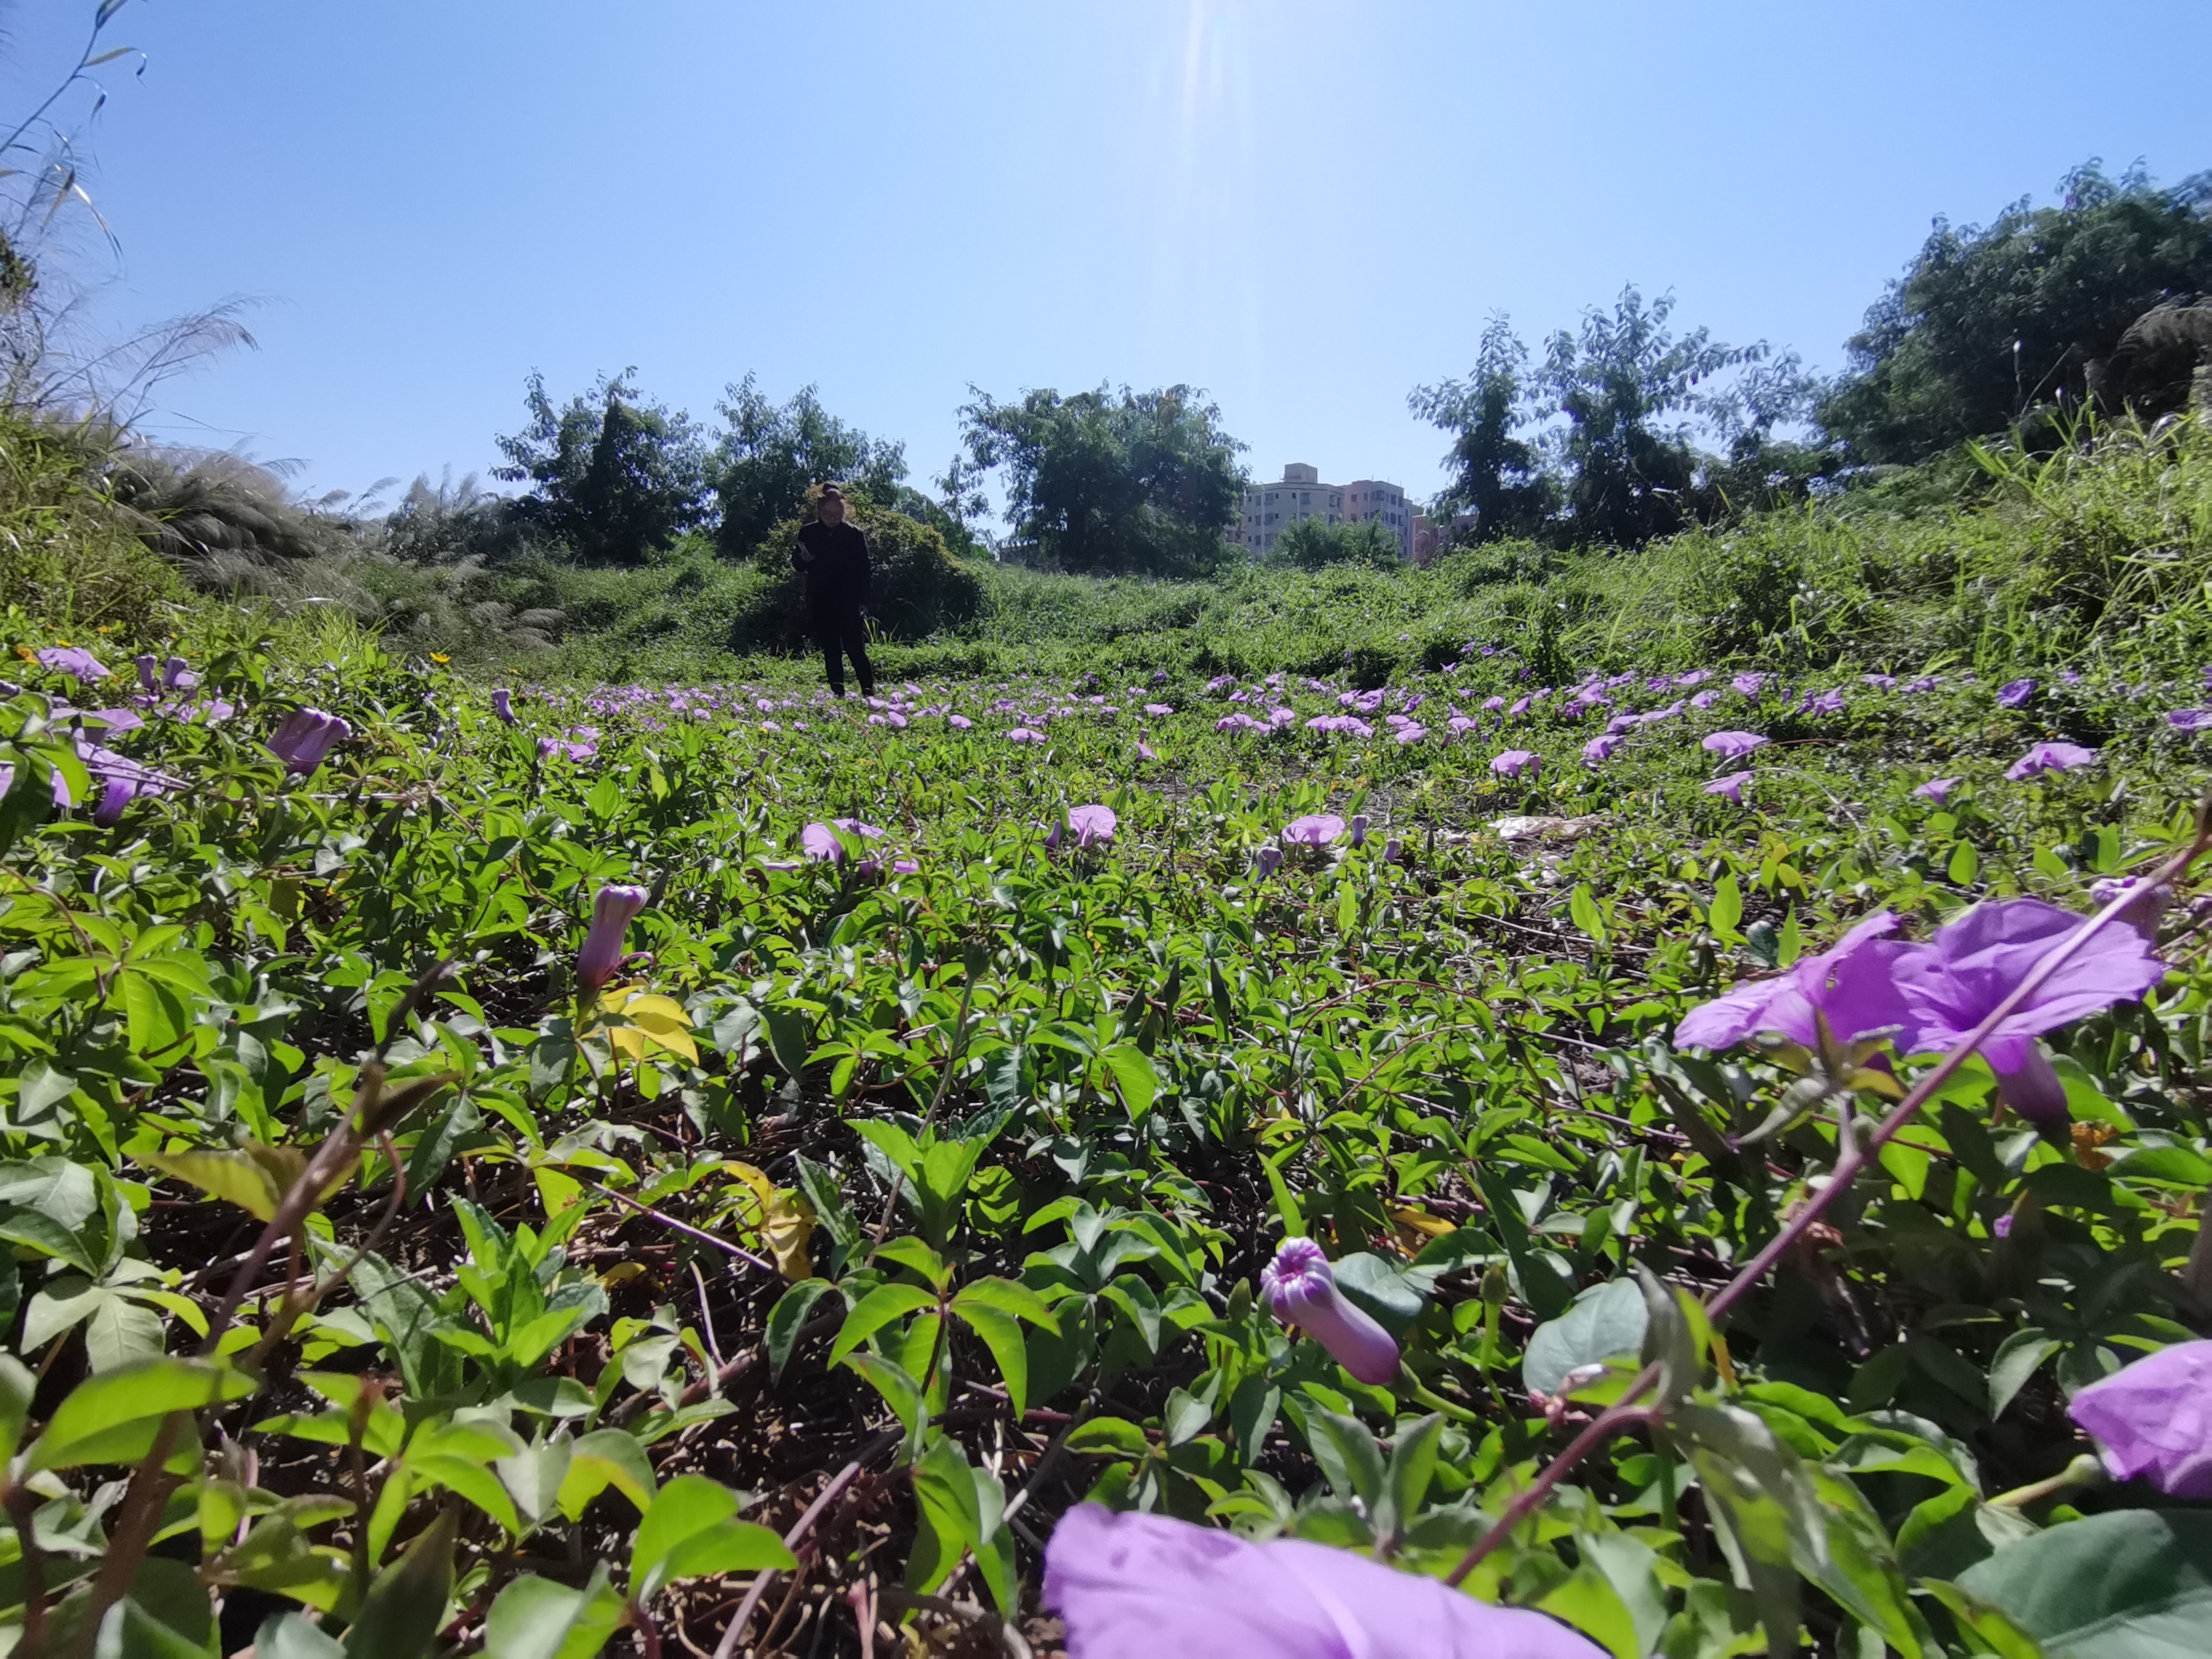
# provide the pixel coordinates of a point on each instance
(611, 477)
(71, 553)
(1104, 482)
(768, 455)
(1312, 543)
(1991, 323)
(916, 587)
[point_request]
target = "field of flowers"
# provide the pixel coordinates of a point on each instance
(1660, 1165)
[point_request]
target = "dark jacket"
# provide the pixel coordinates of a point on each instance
(835, 561)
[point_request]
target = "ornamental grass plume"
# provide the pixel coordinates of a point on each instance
(1951, 986)
(1138, 1586)
(2152, 1420)
(612, 909)
(307, 736)
(2049, 757)
(1314, 830)
(1732, 745)
(1300, 1287)
(1094, 825)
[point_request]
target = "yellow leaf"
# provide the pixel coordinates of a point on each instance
(763, 1188)
(790, 1226)
(639, 1022)
(1422, 1222)
(621, 1273)
(235, 1177)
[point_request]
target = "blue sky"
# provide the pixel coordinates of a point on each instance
(1304, 206)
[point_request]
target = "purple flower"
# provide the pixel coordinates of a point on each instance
(1158, 710)
(1750, 685)
(1300, 1288)
(1267, 859)
(1138, 1586)
(1732, 786)
(1314, 830)
(580, 752)
(1145, 751)
(1024, 734)
(177, 677)
(73, 660)
(1704, 699)
(1733, 745)
(1851, 984)
(1823, 702)
(503, 704)
(2013, 696)
(820, 841)
(1094, 825)
(1356, 829)
(2145, 904)
(2001, 1227)
(1463, 723)
(1052, 839)
(1409, 732)
(2190, 719)
(143, 662)
(306, 737)
(1975, 962)
(1394, 851)
(2153, 1418)
(1937, 789)
(2049, 757)
(958, 722)
(1882, 682)
(1491, 705)
(1514, 762)
(1600, 748)
(611, 911)
(1695, 677)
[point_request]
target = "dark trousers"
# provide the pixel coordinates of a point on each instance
(838, 626)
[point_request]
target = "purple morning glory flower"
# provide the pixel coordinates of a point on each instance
(1851, 984)
(1024, 734)
(2145, 904)
(1750, 685)
(1704, 699)
(177, 675)
(1600, 748)
(1356, 827)
(503, 704)
(1880, 682)
(306, 737)
(612, 909)
(2190, 719)
(2049, 757)
(1094, 825)
(1515, 763)
(2015, 693)
(958, 722)
(143, 662)
(1463, 723)
(1299, 1287)
(2153, 1418)
(1732, 786)
(1267, 859)
(1937, 789)
(73, 660)
(1823, 702)
(819, 840)
(1145, 751)
(1975, 962)
(1491, 705)
(1159, 710)
(1409, 732)
(1137, 1586)
(1314, 830)
(1733, 745)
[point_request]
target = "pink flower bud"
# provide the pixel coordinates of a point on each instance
(611, 912)
(1302, 1291)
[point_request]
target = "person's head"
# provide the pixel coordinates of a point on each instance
(829, 504)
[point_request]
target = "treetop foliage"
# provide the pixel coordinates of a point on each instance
(613, 477)
(1989, 323)
(770, 453)
(1146, 482)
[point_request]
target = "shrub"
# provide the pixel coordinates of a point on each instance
(917, 588)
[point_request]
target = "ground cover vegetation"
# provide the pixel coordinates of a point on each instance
(1638, 1091)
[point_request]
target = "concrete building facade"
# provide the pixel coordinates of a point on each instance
(1269, 508)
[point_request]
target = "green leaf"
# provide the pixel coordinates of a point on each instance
(1348, 1456)
(604, 1458)
(1112, 1436)
(2131, 1584)
(288, 1636)
(1002, 1334)
(1726, 909)
(121, 1332)
(1582, 911)
(113, 1417)
(1605, 1320)
(2019, 1357)
(405, 1608)
(788, 1317)
(46, 1236)
(535, 1618)
(689, 1533)
(877, 1309)
(1413, 1466)
(1134, 1075)
(235, 1177)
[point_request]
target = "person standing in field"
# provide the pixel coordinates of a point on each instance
(835, 556)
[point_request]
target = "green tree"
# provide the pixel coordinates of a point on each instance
(613, 477)
(1309, 543)
(915, 586)
(767, 454)
(1628, 391)
(1496, 474)
(1988, 324)
(1128, 481)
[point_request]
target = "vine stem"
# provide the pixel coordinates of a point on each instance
(1850, 1161)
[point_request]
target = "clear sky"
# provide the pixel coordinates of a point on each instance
(1303, 206)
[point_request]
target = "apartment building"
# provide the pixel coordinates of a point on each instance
(1269, 508)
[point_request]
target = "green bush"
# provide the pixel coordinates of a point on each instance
(917, 588)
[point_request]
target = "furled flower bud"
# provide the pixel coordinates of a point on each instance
(2152, 1420)
(611, 912)
(503, 704)
(1301, 1289)
(1357, 827)
(306, 737)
